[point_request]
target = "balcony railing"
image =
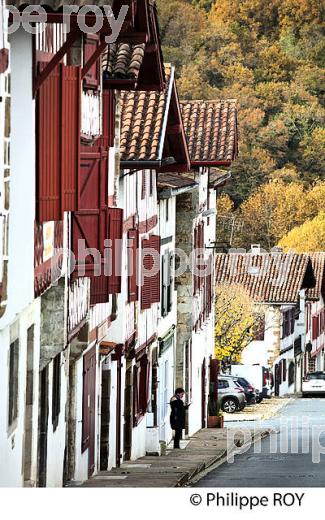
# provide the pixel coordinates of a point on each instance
(48, 257)
(79, 297)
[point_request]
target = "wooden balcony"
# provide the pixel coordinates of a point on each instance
(48, 257)
(79, 298)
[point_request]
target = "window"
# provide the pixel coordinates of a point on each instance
(141, 379)
(291, 373)
(56, 391)
(150, 289)
(167, 283)
(288, 323)
(132, 265)
(151, 182)
(222, 383)
(167, 210)
(13, 382)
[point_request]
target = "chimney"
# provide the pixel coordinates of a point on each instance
(256, 249)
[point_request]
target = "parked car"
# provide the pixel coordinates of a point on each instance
(250, 392)
(313, 383)
(231, 396)
(260, 377)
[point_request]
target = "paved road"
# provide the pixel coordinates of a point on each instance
(301, 424)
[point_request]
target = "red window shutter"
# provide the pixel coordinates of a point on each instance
(49, 148)
(132, 265)
(315, 328)
(144, 184)
(116, 235)
(284, 367)
(92, 78)
(99, 290)
(195, 277)
(93, 177)
(145, 281)
(109, 107)
(70, 135)
(92, 227)
(58, 142)
(155, 280)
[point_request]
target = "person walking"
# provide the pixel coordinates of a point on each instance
(177, 415)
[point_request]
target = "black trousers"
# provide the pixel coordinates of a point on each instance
(177, 437)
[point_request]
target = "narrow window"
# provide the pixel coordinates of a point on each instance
(13, 382)
(56, 391)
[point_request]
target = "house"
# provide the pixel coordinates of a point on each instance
(277, 283)
(211, 131)
(63, 190)
(152, 138)
(315, 317)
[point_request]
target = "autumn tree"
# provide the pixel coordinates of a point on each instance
(309, 237)
(236, 321)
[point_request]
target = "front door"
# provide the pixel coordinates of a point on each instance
(204, 403)
(43, 426)
(128, 396)
(89, 407)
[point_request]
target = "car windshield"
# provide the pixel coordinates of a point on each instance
(316, 375)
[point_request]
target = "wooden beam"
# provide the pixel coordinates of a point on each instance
(73, 35)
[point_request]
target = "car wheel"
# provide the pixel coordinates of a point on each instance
(229, 405)
(259, 400)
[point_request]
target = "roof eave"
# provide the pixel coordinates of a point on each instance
(173, 192)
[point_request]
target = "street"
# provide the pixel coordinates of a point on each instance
(291, 463)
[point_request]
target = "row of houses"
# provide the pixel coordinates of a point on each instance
(288, 289)
(102, 164)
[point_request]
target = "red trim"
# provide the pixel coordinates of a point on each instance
(147, 225)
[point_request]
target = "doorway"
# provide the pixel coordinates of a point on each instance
(128, 397)
(43, 426)
(203, 401)
(89, 408)
(29, 411)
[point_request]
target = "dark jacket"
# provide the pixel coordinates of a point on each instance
(177, 415)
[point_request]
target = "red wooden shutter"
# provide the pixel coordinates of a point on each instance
(48, 148)
(92, 78)
(92, 227)
(108, 118)
(144, 184)
(195, 277)
(132, 265)
(155, 279)
(58, 142)
(116, 235)
(70, 135)
(88, 397)
(284, 367)
(315, 328)
(145, 280)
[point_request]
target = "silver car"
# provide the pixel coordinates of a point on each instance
(231, 396)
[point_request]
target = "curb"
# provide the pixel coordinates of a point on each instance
(202, 470)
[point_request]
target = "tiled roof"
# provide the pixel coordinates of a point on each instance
(123, 61)
(172, 181)
(268, 277)
(218, 177)
(211, 129)
(318, 263)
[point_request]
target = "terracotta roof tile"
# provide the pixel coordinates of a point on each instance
(211, 129)
(123, 61)
(318, 263)
(142, 117)
(268, 277)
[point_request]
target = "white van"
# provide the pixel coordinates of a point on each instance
(260, 377)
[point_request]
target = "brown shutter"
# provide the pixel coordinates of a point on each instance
(146, 263)
(92, 78)
(132, 264)
(58, 141)
(164, 285)
(116, 235)
(70, 135)
(109, 106)
(195, 278)
(155, 280)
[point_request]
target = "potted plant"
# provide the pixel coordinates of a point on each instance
(215, 415)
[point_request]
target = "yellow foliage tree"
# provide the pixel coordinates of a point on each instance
(309, 237)
(237, 319)
(271, 212)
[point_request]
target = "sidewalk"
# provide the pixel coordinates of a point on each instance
(175, 469)
(260, 412)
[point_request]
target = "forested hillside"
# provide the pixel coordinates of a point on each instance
(270, 56)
